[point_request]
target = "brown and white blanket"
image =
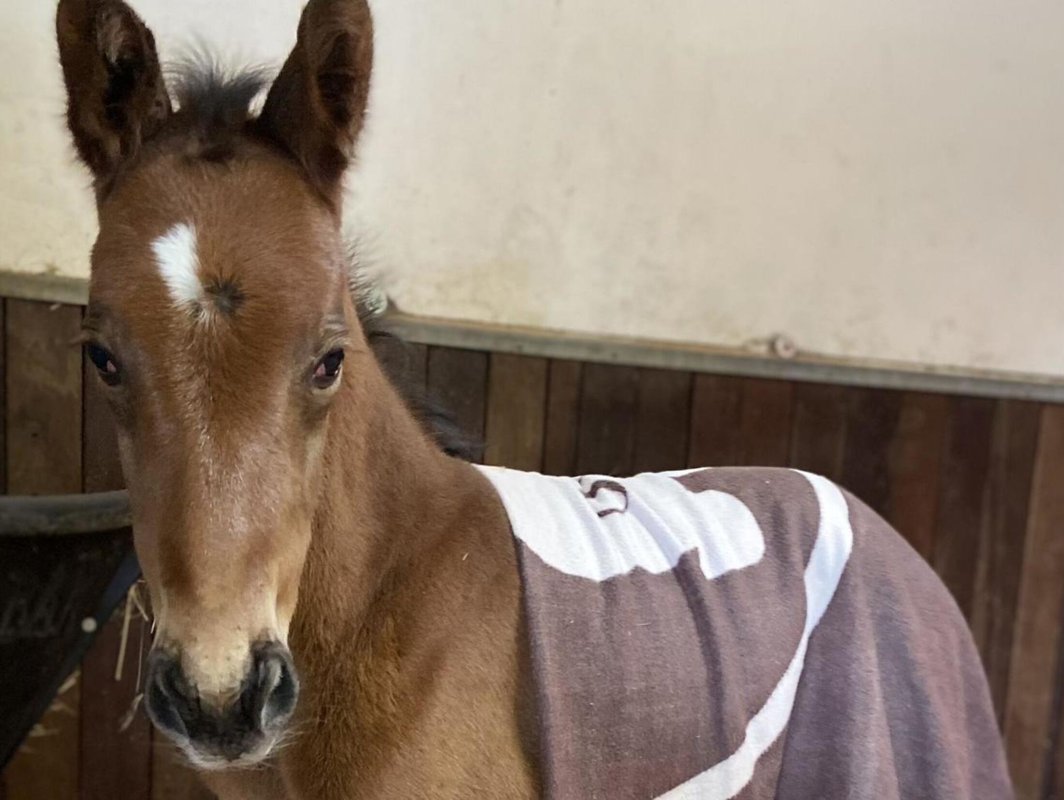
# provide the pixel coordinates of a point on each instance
(742, 633)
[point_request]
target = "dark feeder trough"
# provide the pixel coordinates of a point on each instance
(66, 561)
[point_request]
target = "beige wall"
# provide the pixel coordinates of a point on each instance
(873, 179)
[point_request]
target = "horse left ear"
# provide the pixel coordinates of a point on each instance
(116, 96)
(315, 108)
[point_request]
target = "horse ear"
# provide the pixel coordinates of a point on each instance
(116, 96)
(315, 108)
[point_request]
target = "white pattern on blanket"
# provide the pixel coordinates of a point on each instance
(576, 533)
(822, 575)
(599, 527)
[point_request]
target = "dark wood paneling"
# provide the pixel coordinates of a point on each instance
(1001, 544)
(872, 419)
(1032, 696)
(3, 446)
(562, 417)
(417, 366)
(716, 404)
(43, 421)
(818, 434)
(458, 381)
(914, 464)
(43, 381)
(965, 470)
(3, 421)
(403, 362)
(517, 391)
(116, 735)
(765, 423)
(608, 402)
(663, 411)
(1055, 784)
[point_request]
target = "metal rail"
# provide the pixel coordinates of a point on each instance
(64, 514)
(799, 366)
(723, 361)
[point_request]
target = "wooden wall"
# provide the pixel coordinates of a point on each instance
(977, 485)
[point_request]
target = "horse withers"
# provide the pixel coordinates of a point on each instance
(343, 610)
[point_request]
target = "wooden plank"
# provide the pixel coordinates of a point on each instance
(606, 439)
(3, 449)
(43, 381)
(1002, 535)
(716, 402)
(417, 365)
(914, 461)
(116, 736)
(115, 741)
(765, 422)
(965, 469)
(563, 417)
(870, 427)
(663, 414)
(43, 413)
(402, 362)
(458, 381)
(818, 428)
(1055, 789)
(517, 396)
(1030, 700)
(3, 420)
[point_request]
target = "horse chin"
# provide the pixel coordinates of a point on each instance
(208, 759)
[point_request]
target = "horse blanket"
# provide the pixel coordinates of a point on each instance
(742, 633)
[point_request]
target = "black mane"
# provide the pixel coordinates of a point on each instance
(214, 104)
(394, 355)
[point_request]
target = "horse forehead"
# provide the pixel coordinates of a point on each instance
(209, 261)
(253, 219)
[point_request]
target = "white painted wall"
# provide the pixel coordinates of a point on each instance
(873, 179)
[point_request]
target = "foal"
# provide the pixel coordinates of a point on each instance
(343, 611)
(285, 501)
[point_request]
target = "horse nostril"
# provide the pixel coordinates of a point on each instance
(168, 699)
(273, 687)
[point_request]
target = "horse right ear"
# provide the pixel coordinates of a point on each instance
(116, 96)
(315, 108)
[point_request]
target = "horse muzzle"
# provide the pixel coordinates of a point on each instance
(242, 728)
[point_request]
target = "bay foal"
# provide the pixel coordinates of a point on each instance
(339, 605)
(279, 485)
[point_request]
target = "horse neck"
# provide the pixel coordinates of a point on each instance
(389, 499)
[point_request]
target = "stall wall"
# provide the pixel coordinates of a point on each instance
(874, 180)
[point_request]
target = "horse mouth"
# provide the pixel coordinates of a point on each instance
(216, 756)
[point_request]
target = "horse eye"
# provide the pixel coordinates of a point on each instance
(104, 362)
(328, 369)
